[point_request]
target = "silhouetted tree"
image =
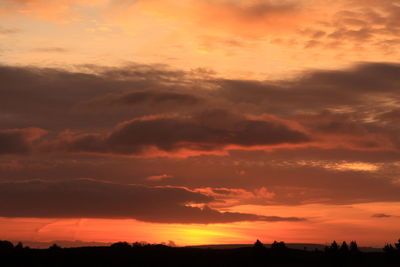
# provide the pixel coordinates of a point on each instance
(353, 247)
(160, 255)
(333, 247)
(19, 246)
(397, 245)
(278, 245)
(344, 247)
(258, 244)
(388, 248)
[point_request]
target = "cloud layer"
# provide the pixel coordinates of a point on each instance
(93, 199)
(309, 139)
(170, 110)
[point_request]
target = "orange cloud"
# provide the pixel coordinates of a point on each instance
(228, 197)
(158, 177)
(245, 18)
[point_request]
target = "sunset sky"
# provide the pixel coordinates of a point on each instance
(200, 121)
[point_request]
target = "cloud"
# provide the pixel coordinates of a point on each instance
(230, 197)
(60, 99)
(211, 130)
(330, 107)
(252, 19)
(94, 199)
(317, 89)
(18, 141)
(391, 116)
(161, 88)
(347, 130)
(158, 177)
(153, 99)
(358, 25)
(381, 215)
(317, 27)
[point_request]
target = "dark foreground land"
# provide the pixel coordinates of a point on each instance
(124, 254)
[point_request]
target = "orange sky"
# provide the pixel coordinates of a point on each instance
(200, 121)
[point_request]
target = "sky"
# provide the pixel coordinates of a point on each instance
(200, 121)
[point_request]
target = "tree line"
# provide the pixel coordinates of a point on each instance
(143, 254)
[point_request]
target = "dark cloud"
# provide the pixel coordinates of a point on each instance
(316, 90)
(261, 9)
(295, 177)
(62, 99)
(94, 199)
(381, 215)
(151, 99)
(91, 102)
(56, 96)
(18, 141)
(206, 131)
(392, 116)
(297, 185)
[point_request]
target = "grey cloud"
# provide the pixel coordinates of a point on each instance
(317, 90)
(56, 95)
(95, 199)
(95, 94)
(206, 131)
